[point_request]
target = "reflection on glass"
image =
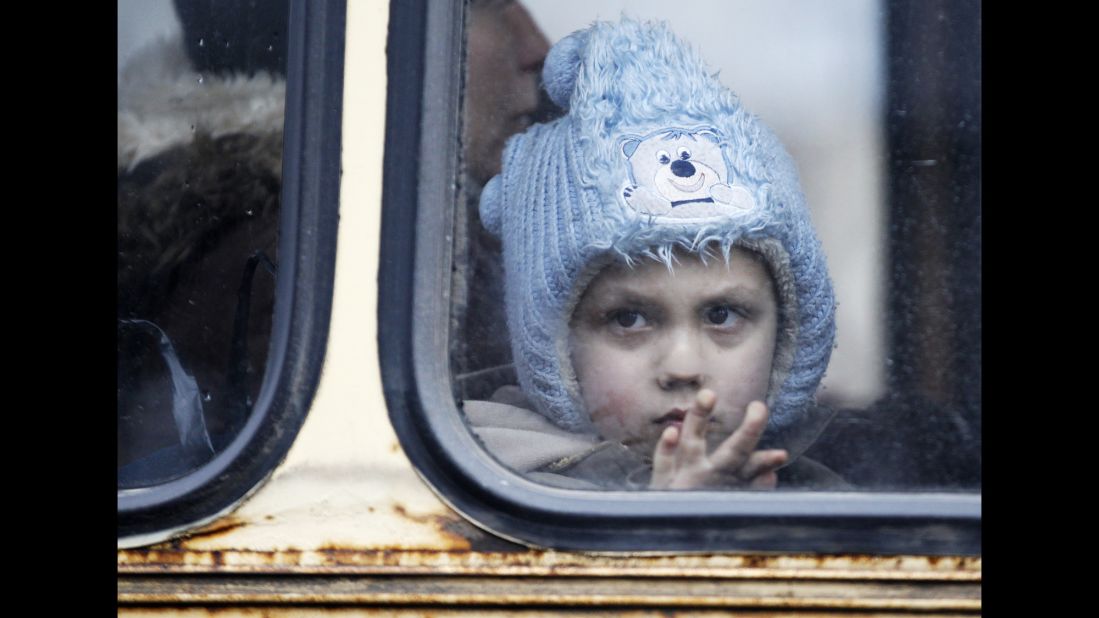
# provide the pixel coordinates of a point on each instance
(504, 54)
(201, 92)
(658, 364)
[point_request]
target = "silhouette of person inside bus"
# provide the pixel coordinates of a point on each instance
(670, 309)
(504, 54)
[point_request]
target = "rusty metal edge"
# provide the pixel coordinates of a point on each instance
(543, 591)
(454, 600)
(562, 572)
(396, 563)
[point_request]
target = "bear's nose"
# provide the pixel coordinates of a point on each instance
(682, 168)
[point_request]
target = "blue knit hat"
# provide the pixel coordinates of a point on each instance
(653, 156)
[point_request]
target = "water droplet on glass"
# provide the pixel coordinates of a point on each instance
(270, 48)
(201, 79)
(206, 396)
(248, 212)
(248, 401)
(202, 42)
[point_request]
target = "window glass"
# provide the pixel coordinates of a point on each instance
(852, 90)
(201, 90)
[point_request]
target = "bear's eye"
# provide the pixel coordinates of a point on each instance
(683, 153)
(663, 157)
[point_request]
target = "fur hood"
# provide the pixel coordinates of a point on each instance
(197, 155)
(163, 102)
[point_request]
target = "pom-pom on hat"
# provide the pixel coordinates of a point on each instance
(654, 156)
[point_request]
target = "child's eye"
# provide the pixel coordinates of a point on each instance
(722, 315)
(683, 153)
(663, 157)
(628, 318)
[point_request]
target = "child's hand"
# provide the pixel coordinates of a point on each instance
(680, 460)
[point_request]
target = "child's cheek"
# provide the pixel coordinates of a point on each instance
(610, 412)
(608, 385)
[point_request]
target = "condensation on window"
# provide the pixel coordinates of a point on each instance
(884, 131)
(201, 94)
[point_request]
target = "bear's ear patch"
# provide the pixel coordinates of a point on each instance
(629, 146)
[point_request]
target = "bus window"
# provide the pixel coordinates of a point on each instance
(817, 76)
(200, 174)
(836, 85)
(209, 211)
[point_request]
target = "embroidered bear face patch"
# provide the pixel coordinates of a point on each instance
(681, 174)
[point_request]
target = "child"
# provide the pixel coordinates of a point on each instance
(668, 302)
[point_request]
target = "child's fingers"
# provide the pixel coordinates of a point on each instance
(767, 480)
(698, 416)
(738, 447)
(664, 458)
(762, 462)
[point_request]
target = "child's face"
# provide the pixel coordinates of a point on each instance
(645, 340)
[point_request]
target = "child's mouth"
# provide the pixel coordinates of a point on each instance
(675, 417)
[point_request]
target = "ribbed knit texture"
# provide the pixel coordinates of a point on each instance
(559, 209)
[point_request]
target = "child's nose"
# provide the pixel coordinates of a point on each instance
(683, 365)
(671, 381)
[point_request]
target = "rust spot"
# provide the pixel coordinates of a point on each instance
(395, 447)
(754, 562)
(441, 524)
(162, 559)
(400, 510)
(219, 527)
(479, 540)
